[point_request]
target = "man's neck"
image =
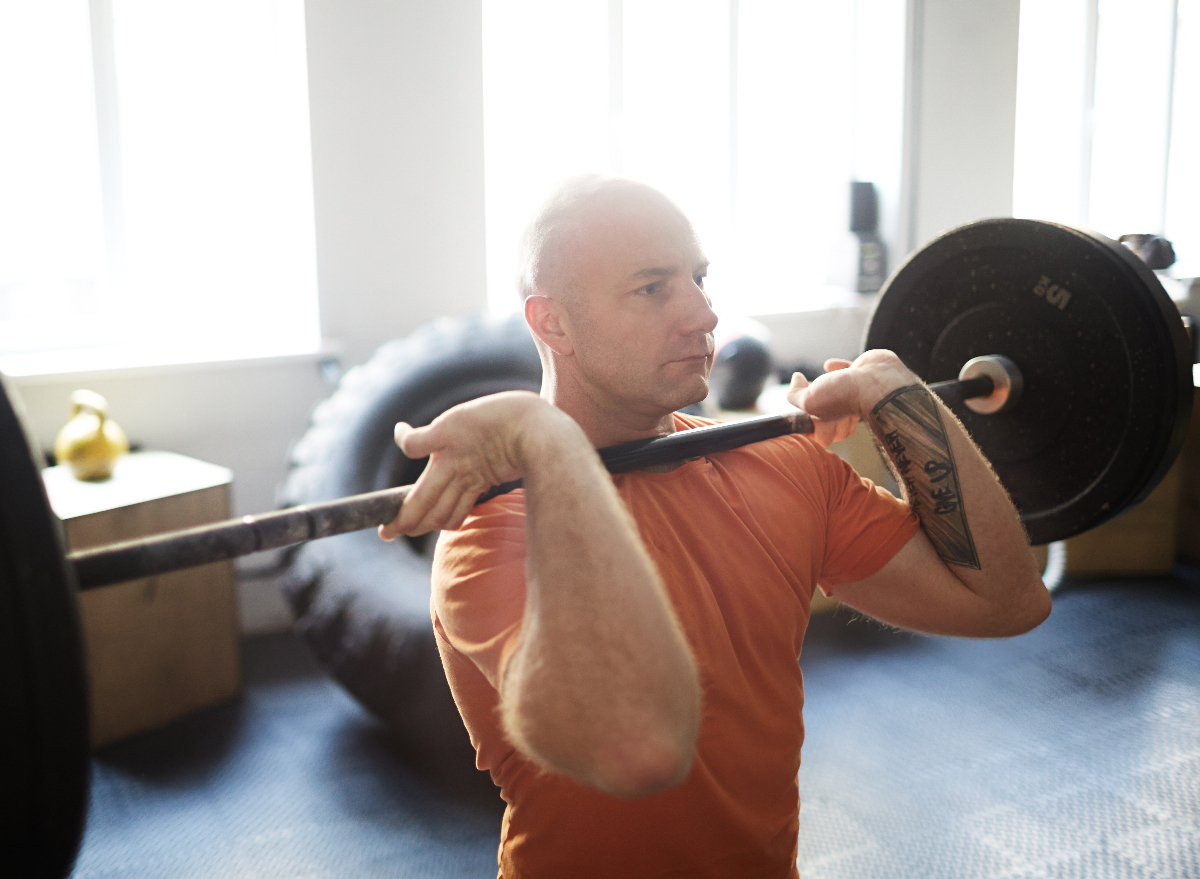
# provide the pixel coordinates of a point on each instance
(610, 428)
(608, 425)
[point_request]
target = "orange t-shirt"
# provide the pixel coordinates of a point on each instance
(740, 538)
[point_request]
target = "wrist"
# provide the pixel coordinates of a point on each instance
(549, 437)
(882, 375)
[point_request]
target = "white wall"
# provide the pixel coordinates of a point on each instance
(397, 126)
(961, 114)
(396, 93)
(960, 124)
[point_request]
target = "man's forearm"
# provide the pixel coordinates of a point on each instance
(912, 433)
(964, 511)
(603, 687)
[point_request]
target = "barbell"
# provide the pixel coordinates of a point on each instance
(219, 541)
(1057, 348)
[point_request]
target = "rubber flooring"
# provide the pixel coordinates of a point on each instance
(1073, 751)
(292, 781)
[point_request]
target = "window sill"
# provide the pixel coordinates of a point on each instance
(829, 326)
(826, 299)
(58, 366)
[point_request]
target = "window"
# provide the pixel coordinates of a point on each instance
(754, 115)
(155, 183)
(1107, 121)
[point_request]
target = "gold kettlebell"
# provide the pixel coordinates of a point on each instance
(90, 443)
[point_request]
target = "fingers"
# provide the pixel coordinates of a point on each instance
(817, 398)
(430, 508)
(828, 432)
(466, 503)
(830, 426)
(443, 502)
(832, 396)
(415, 442)
(421, 507)
(844, 395)
(470, 447)
(442, 497)
(794, 395)
(401, 432)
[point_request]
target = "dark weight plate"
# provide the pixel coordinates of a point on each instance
(44, 758)
(1102, 348)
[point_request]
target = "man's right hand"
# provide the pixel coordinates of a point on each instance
(472, 447)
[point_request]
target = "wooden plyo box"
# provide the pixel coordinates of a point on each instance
(1189, 502)
(1140, 543)
(160, 647)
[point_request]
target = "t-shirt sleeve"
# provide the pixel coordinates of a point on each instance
(867, 525)
(478, 585)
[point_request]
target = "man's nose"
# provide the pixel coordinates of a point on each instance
(700, 317)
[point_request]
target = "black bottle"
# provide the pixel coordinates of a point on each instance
(864, 224)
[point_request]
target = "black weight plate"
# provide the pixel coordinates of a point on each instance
(1102, 349)
(44, 758)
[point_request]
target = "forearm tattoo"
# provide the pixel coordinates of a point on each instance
(914, 440)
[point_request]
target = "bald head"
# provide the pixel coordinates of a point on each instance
(579, 213)
(613, 282)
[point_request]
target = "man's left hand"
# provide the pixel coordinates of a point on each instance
(844, 395)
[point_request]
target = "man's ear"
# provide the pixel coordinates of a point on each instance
(545, 319)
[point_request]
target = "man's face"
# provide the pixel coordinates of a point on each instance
(641, 324)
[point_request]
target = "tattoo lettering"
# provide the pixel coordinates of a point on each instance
(915, 442)
(937, 470)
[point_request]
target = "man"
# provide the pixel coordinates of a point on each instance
(624, 649)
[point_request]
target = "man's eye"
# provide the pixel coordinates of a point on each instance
(650, 289)
(699, 279)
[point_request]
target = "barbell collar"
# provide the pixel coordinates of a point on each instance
(1006, 379)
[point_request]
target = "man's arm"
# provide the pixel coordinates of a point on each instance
(968, 571)
(602, 687)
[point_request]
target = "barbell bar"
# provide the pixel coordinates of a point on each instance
(220, 541)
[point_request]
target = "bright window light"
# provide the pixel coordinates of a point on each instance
(51, 218)
(183, 231)
(675, 120)
(753, 115)
(1131, 113)
(1183, 171)
(546, 116)
(1050, 178)
(1106, 125)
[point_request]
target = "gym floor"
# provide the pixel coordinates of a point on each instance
(1073, 751)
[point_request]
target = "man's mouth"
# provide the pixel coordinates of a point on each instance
(697, 356)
